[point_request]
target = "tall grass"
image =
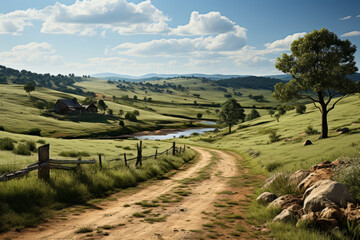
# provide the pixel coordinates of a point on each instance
(24, 202)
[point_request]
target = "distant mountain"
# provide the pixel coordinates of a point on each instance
(249, 82)
(284, 77)
(156, 76)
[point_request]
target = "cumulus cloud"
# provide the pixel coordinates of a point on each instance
(88, 17)
(33, 53)
(283, 44)
(208, 24)
(351, 34)
(345, 18)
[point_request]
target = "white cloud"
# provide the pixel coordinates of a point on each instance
(34, 54)
(208, 24)
(358, 16)
(351, 34)
(88, 17)
(345, 18)
(283, 44)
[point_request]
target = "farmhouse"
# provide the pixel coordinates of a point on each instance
(65, 106)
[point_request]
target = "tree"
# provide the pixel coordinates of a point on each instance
(121, 123)
(252, 115)
(121, 112)
(102, 105)
(136, 113)
(110, 111)
(29, 87)
(319, 64)
(231, 112)
(271, 112)
(199, 115)
(300, 108)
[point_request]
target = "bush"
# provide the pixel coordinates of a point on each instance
(121, 123)
(2, 128)
(6, 144)
(301, 108)
(41, 141)
(22, 149)
(311, 131)
(31, 145)
(130, 116)
(34, 131)
(273, 136)
(281, 185)
(252, 115)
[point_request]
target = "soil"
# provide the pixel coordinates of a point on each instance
(206, 200)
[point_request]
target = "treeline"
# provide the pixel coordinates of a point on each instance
(249, 82)
(63, 83)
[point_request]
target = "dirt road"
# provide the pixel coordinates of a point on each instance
(174, 208)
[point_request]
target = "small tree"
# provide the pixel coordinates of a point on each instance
(102, 105)
(121, 112)
(319, 65)
(130, 116)
(136, 113)
(271, 112)
(277, 116)
(121, 123)
(135, 97)
(199, 115)
(29, 87)
(252, 115)
(231, 112)
(110, 111)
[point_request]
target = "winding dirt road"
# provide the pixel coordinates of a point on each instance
(173, 208)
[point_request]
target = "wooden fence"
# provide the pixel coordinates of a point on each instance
(45, 163)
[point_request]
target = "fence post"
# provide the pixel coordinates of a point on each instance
(184, 147)
(100, 162)
(43, 157)
(78, 165)
(166, 151)
(173, 148)
(125, 159)
(156, 154)
(139, 154)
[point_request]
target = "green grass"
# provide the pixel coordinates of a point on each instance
(84, 230)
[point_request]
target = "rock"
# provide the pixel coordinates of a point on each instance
(298, 176)
(343, 130)
(266, 197)
(324, 193)
(295, 208)
(285, 201)
(326, 223)
(307, 142)
(270, 180)
(333, 212)
(320, 174)
(326, 164)
(285, 216)
(338, 162)
(352, 213)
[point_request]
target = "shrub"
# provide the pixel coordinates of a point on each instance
(34, 131)
(272, 166)
(252, 115)
(301, 108)
(121, 123)
(6, 144)
(311, 131)
(281, 185)
(273, 136)
(22, 149)
(2, 128)
(31, 145)
(130, 116)
(41, 141)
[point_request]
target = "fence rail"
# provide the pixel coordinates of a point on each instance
(45, 163)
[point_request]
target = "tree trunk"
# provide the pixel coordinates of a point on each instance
(324, 124)
(229, 128)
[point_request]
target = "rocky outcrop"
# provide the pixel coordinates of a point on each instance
(285, 216)
(326, 164)
(298, 176)
(312, 178)
(326, 193)
(307, 142)
(285, 201)
(266, 198)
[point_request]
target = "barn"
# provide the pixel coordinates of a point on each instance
(65, 106)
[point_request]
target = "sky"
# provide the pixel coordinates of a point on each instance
(136, 37)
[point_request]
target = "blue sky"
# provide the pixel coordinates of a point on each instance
(164, 36)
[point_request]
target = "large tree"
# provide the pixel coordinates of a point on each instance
(231, 112)
(319, 64)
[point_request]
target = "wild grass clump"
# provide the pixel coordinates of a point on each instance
(281, 185)
(349, 174)
(272, 166)
(31, 145)
(22, 149)
(34, 131)
(311, 131)
(2, 128)
(74, 154)
(6, 144)
(41, 141)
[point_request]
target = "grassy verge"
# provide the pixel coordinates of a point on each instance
(26, 202)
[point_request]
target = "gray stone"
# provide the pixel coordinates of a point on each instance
(266, 197)
(285, 216)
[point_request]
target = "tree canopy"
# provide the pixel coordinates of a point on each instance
(318, 64)
(29, 87)
(231, 112)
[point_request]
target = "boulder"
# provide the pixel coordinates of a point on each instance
(352, 213)
(307, 142)
(266, 197)
(317, 175)
(326, 223)
(270, 180)
(343, 130)
(326, 164)
(332, 212)
(295, 208)
(324, 193)
(338, 162)
(298, 176)
(285, 216)
(285, 201)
